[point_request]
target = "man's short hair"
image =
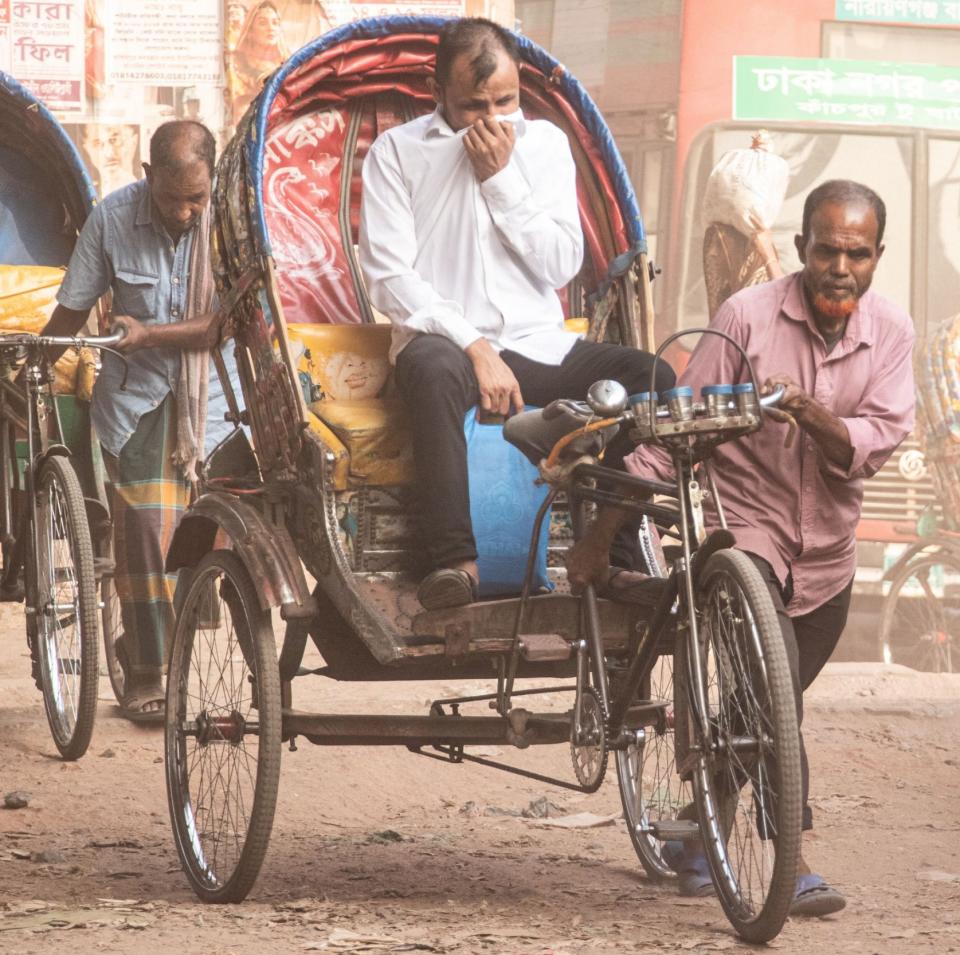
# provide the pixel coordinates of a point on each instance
(478, 37)
(843, 191)
(182, 142)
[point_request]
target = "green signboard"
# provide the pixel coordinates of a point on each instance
(846, 91)
(900, 11)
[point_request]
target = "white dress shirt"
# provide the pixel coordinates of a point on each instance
(445, 254)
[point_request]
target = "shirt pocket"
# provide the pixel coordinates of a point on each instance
(135, 294)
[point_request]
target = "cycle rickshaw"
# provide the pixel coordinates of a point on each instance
(326, 485)
(51, 477)
(920, 621)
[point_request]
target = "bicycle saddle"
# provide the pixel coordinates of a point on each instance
(534, 433)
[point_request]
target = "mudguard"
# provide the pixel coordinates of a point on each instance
(266, 549)
(932, 545)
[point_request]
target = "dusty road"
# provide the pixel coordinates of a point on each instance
(379, 850)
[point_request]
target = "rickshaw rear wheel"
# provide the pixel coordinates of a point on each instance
(223, 730)
(746, 779)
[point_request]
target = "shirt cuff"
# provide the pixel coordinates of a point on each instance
(505, 189)
(861, 433)
(447, 321)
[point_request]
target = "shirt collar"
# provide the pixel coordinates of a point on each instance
(438, 126)
(145, 207)
(859, 330)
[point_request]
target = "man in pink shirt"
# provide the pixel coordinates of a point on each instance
(843, 353)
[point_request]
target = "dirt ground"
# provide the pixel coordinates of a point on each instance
(380, 850)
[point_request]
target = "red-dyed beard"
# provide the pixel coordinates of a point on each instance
(837, 309)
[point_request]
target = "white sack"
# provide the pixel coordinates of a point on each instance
(746, 188)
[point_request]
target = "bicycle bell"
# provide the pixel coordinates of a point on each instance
(607, 398)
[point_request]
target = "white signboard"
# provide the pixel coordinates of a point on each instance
(164, 42)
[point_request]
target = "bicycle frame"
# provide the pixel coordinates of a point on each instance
(39, 444)
(29, 409)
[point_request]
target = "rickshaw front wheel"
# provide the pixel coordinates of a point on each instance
(223, 730)
(65, 608)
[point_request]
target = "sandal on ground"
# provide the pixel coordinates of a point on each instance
(138, 698)
(814, 898)
(693, 871)
(631, 586)
(447, 587)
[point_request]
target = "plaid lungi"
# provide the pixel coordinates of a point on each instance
(150, 494)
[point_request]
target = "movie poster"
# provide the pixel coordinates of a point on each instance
(258, 36)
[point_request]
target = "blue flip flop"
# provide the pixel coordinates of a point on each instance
(693, 871)
(815, 898)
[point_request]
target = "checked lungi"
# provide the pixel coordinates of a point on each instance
(150, 494)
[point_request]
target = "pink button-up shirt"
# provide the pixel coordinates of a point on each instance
(792, 506)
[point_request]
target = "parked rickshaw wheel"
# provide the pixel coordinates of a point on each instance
(223, 730)
(920, 627)
(746, 780)
(66, 608)
(112, 625)
(650, 788)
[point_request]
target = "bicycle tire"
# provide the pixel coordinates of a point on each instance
(111, 623)
(219, 716)
(756, 677)
(71, 651)
(919, 628)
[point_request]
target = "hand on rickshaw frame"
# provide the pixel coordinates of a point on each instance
(229, 699)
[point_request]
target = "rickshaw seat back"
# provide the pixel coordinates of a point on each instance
(349, 369)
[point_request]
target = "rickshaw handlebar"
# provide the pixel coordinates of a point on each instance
(773, 399)
(27, 339)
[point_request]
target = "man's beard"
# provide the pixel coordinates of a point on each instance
(837, 309)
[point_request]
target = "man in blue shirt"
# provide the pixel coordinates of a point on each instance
(147, 242)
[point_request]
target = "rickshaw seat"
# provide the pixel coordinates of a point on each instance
(349, 364)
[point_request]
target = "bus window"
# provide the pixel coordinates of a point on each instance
(943, 231)
(882, 161)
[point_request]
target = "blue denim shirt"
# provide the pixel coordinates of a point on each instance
(123, 248)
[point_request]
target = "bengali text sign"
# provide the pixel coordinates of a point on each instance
(164, 42)
(846, 91)
(900, 11)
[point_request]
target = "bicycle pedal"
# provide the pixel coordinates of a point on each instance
(679, 830)
(544, 647)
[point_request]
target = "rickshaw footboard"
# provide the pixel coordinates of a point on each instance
(519, 728)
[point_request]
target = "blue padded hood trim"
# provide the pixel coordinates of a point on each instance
(65, 147)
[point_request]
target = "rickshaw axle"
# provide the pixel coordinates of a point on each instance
(337, 729)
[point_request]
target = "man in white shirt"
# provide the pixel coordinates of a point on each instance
(469, 224)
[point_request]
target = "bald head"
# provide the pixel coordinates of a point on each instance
(180, 144)
(179, 174)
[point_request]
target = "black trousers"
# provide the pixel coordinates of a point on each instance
(436, 380)
(810, 640)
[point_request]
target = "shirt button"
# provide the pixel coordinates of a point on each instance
(174, 311)
(176, 280)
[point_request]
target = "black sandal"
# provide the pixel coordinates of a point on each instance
(447, 587)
